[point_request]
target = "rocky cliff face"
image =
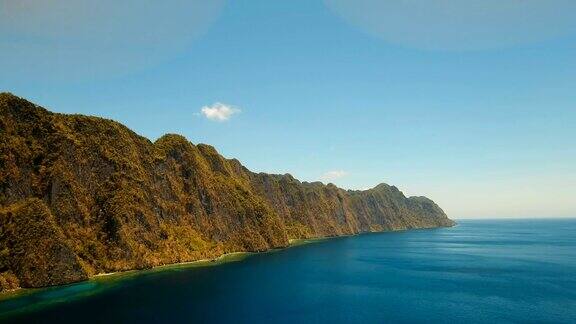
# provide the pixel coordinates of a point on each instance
(82, 195)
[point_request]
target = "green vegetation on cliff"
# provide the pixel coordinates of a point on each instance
(83, 195)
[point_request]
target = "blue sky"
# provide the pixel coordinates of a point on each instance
(471, 105)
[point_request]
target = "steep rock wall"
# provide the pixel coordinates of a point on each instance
(101, 198)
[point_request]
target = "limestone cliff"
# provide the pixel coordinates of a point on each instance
(82, 195)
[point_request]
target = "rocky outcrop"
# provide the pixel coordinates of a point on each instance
(36, 250)
(99, 198)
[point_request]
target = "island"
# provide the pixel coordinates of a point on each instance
(82, 195)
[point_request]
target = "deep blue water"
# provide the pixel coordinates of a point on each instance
(504, 271)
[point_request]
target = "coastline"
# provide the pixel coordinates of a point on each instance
(374, 265)
(222, 259)
(201, 262)
(234, 256)
(120, 275)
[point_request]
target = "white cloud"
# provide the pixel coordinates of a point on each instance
(333, 175)
(219, 112)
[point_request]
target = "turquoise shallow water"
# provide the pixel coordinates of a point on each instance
(504, 271)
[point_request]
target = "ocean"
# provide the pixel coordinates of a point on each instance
(480, 271)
